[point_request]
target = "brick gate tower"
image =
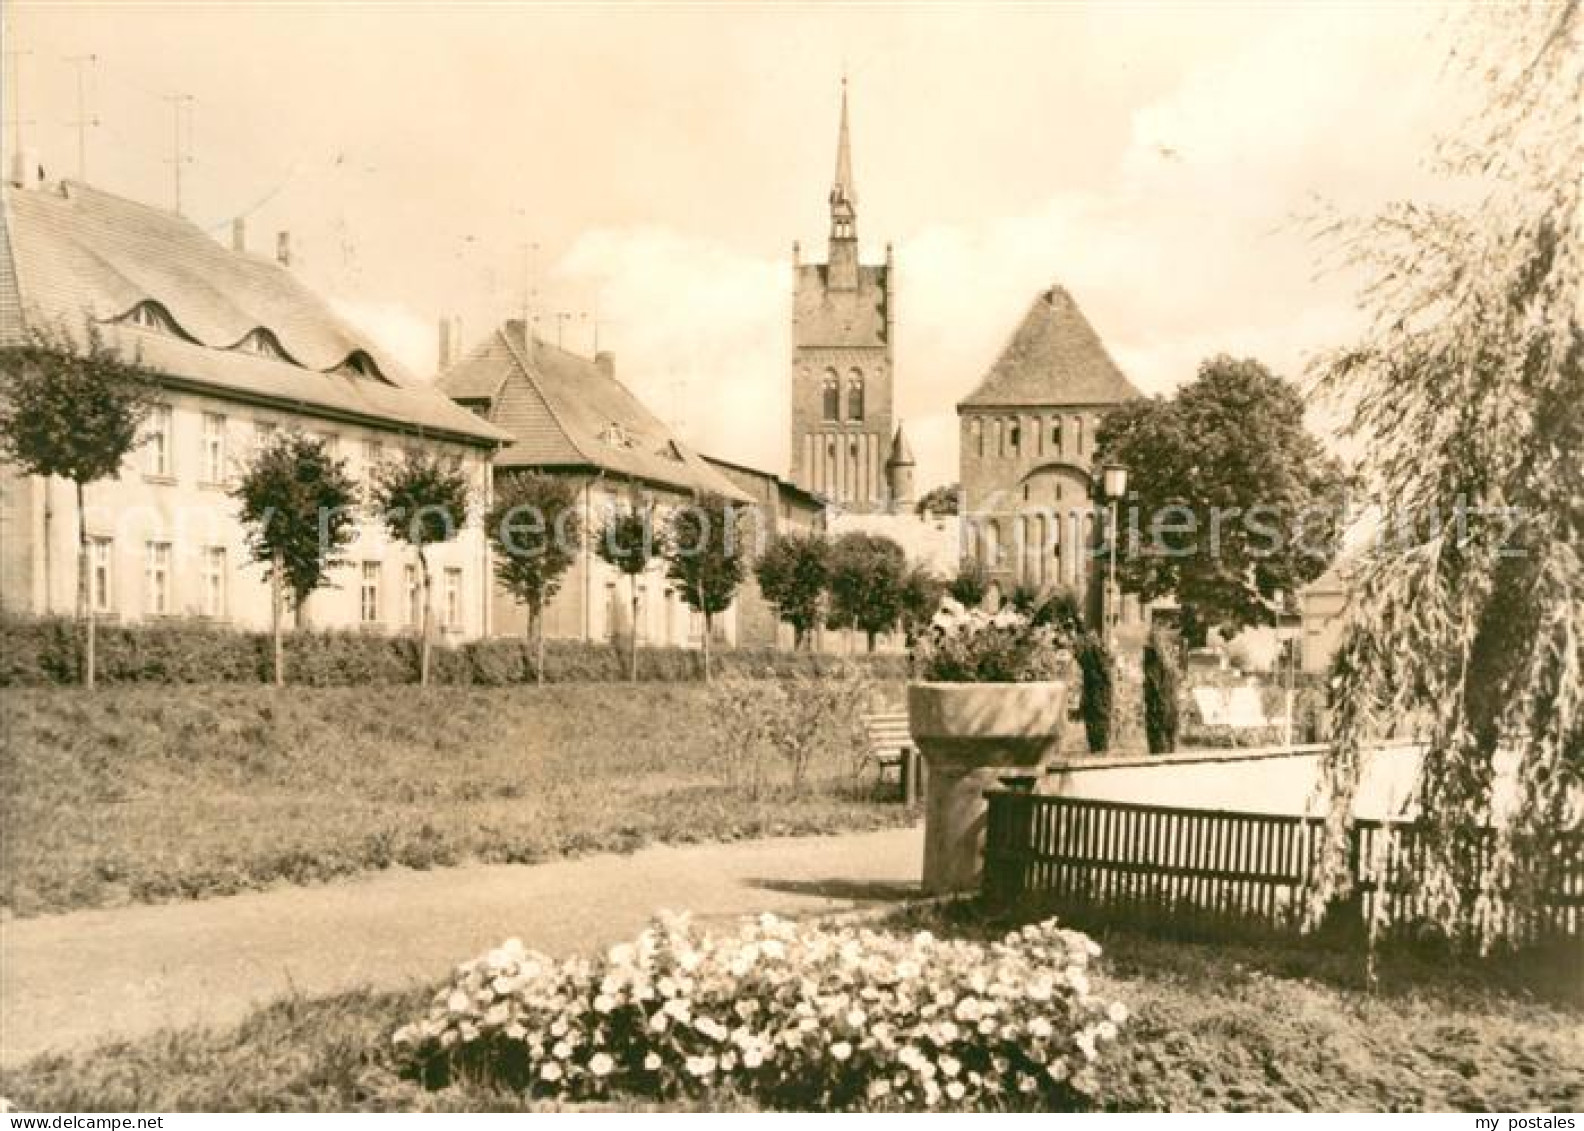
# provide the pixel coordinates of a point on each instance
(842, 376)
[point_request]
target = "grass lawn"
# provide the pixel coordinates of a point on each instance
(144, 795)
(1214, 1027)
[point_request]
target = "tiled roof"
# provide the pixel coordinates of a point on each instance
(81, 253)
(1054, 358)
(563, 410)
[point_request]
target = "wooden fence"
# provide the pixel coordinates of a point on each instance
(1207, 869)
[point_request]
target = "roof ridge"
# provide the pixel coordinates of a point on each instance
(519, 358)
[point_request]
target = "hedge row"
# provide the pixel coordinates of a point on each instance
(42, 653)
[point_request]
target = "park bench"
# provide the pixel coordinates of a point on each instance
(889, 747)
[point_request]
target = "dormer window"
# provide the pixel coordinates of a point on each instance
(616, 436)
(264, 344)
(150, 316)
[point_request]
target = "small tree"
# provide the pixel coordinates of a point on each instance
(298, 506)
(921, 597)
(939, 501)
(1095, 702)
(971, 584)
(1161, 679)
(867, 571)
(424, 500)
(792, 576)
(76, 414)
(535, 532)
(628, 541)
(705, 557)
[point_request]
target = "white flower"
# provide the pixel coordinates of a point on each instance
(841, 1050)
(604, 1003)
(956, 1090)
(1118, 1013)
(700, 1066)
(601, 1064)
(651, 1062)
(561, 1051)
(550, 1071)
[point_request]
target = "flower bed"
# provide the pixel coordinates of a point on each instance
(798, 1015)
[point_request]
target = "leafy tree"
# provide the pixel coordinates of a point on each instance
(972, 583)
(424, 500)
(1060, 609)
(535, 532)
(298, 506)
(1466, 399)
(1161, 678)
(1230, 498)
(628, 542)
(792, 576)
(867, 572)
(920, 599)
(943, 500)
(706, 558)
(74, 413)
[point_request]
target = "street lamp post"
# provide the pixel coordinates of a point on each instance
(1113, 481)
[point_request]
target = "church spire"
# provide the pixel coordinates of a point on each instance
(844, 209)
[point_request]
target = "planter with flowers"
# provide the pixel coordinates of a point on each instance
(989, 700)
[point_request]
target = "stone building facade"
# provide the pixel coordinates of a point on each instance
(1026, 450)
(843, 316)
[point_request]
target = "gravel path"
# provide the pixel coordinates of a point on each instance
(75, 979)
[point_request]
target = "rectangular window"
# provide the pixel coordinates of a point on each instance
(453, 598)
(369, 608)
(157, 579)
(263, 432)
(214, 453)
(373, 456)
(157, 441)
(212, 583)
(101, 576)
(414, 586)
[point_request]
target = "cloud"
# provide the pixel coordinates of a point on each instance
(1193, 246)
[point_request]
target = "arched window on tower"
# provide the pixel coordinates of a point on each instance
(1078, 435)
(976, 436)
(855, 395)
(1055, 434)
(830, 396)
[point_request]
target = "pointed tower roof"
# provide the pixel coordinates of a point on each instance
(901, 451)
(1054, 358)
(843, 188)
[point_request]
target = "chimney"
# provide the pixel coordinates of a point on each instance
(606, 361)
(25, 170)
(283, 248)
(239, 234)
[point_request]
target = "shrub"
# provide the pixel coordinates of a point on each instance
(45, 652)
(1095, 702)
(973, 646)
(790, 721)
(1161, 678)
(791, 1014)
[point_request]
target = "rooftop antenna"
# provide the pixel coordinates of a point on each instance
(562, 317)
(84, 120)
(179, 155)
(530, 284)
(16, 121)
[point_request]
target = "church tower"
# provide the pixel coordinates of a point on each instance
(842, 377)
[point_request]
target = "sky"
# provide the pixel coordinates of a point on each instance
(636, 176)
